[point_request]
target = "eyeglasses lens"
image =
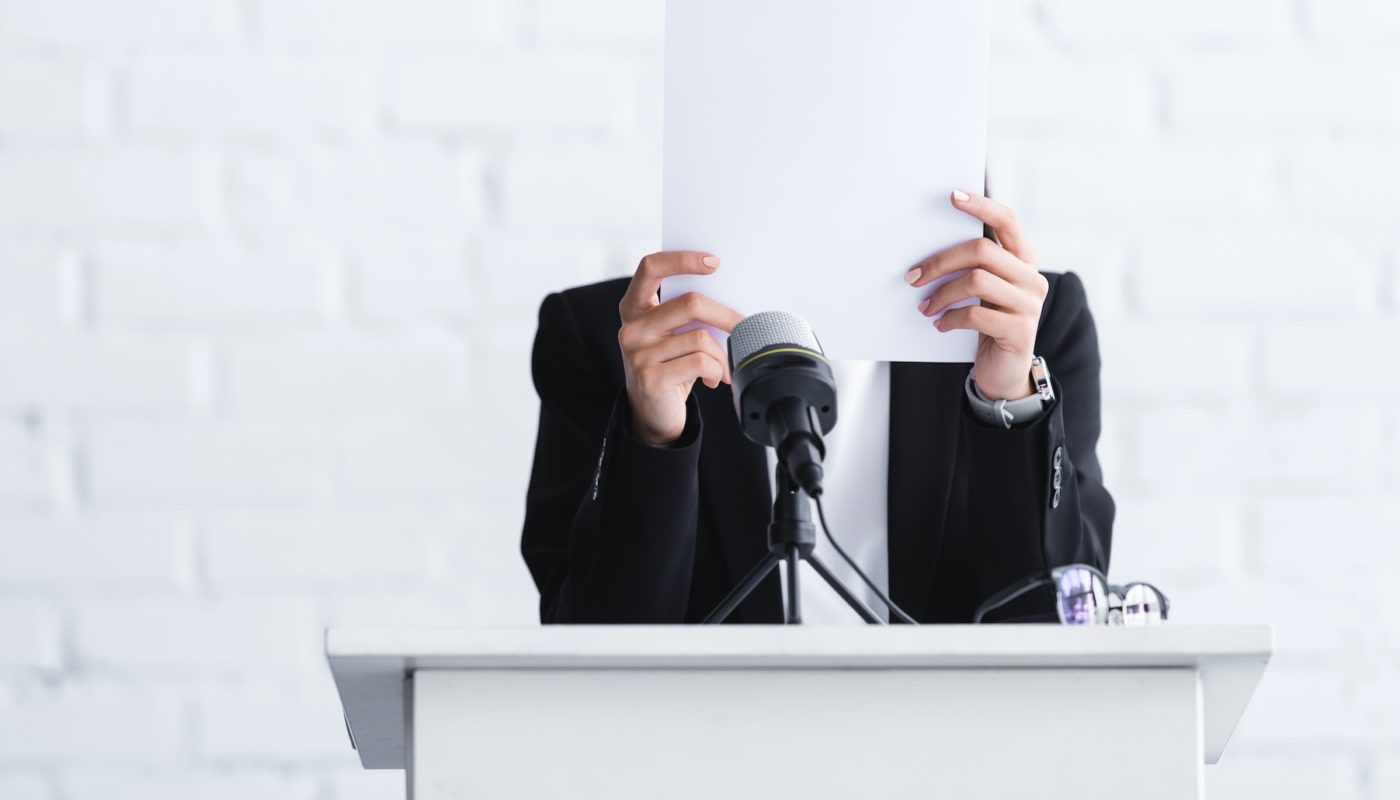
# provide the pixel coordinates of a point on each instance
(1082, 597)
(1142, 605)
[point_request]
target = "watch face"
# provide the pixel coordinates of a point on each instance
(1040, 376)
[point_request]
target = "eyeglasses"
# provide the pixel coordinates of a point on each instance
(1083, 596)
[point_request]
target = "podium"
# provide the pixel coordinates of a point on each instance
(804, 712)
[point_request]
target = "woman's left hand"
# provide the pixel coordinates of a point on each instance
(1004, 277)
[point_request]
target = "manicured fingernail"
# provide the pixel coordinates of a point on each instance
(938, 323)
(923, 307)
(710, 261)
(912, 276)
(961, 196)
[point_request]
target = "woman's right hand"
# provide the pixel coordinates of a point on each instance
(662, 365)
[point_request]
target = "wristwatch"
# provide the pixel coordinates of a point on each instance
(1005, 413)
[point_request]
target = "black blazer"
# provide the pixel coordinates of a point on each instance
(617, 531)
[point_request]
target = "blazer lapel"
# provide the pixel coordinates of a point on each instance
(734, 485)
(923, 450)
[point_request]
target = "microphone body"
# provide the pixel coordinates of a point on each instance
(784, 391)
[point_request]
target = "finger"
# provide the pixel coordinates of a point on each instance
(696, 340)
(646, 282)
(979, 283)
(1001, 219)
(980, 252)
(701, 366)
(986, 321)
(689, 308)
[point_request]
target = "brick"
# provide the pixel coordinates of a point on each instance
(1202, 362)
(310, 726)
(48, 99)
(181, 635)
(1393, 278)
(1308, 362)
(1141, 188)
(335, 376)
(1376, 679)
(145, 22)
(186, 783)
(29, 636)
(405, 280)
(92, 554)
(1045, 94)
(440, 22)
(1096, 260)
(359, 193)
(53, 189)
(1360, 537)
(1348, 458)
(92, 725)
(1273, 93)
(367, 784)
(1109, 25)
(90, 375)
(583, 186)
(512, 91)
(420, 460)
(611, 22)
(24, 787)
(1347, 23)
(507, 369)
(1227, 274)
(38, 285)
(1363, 174)
(370, 608)
(522, 268)
(208, 462)
(1210, 452)
(267, 96)
(1166, 541)
(338, 550)
(215, 281)
(1301, 706)
(29, 469)
(1330, 650)
(1016, 27)
(1245, 777)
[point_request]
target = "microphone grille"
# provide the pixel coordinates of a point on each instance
(768, 328)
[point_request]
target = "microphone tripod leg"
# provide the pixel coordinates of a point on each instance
(734, 598)
(794, 615)
(851, 600)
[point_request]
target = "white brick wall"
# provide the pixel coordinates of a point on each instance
(263, 262)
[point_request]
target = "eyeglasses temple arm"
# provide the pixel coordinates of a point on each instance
(1007, 595)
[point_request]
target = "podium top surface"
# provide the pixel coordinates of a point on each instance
(797, 646)
(370, 665)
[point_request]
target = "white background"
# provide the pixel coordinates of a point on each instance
(268, 274)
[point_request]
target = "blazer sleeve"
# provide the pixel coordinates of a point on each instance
(610, 522)
(1037, 497)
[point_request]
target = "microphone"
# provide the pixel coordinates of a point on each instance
(784, 391)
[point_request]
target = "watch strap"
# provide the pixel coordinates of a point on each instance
(1008, 413)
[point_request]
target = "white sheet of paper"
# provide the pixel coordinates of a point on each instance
(813, 145)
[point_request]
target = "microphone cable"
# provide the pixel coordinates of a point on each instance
(895, 611)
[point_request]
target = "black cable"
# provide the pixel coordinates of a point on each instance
(895, 610)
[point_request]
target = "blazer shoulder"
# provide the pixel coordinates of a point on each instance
(577, 333)
(591, 309)
(1065, 321)
(1065, 296)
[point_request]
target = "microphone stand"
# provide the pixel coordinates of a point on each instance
(791, 538)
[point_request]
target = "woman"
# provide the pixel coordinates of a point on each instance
(647, 504)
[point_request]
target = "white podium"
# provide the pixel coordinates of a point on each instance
(797, 712)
